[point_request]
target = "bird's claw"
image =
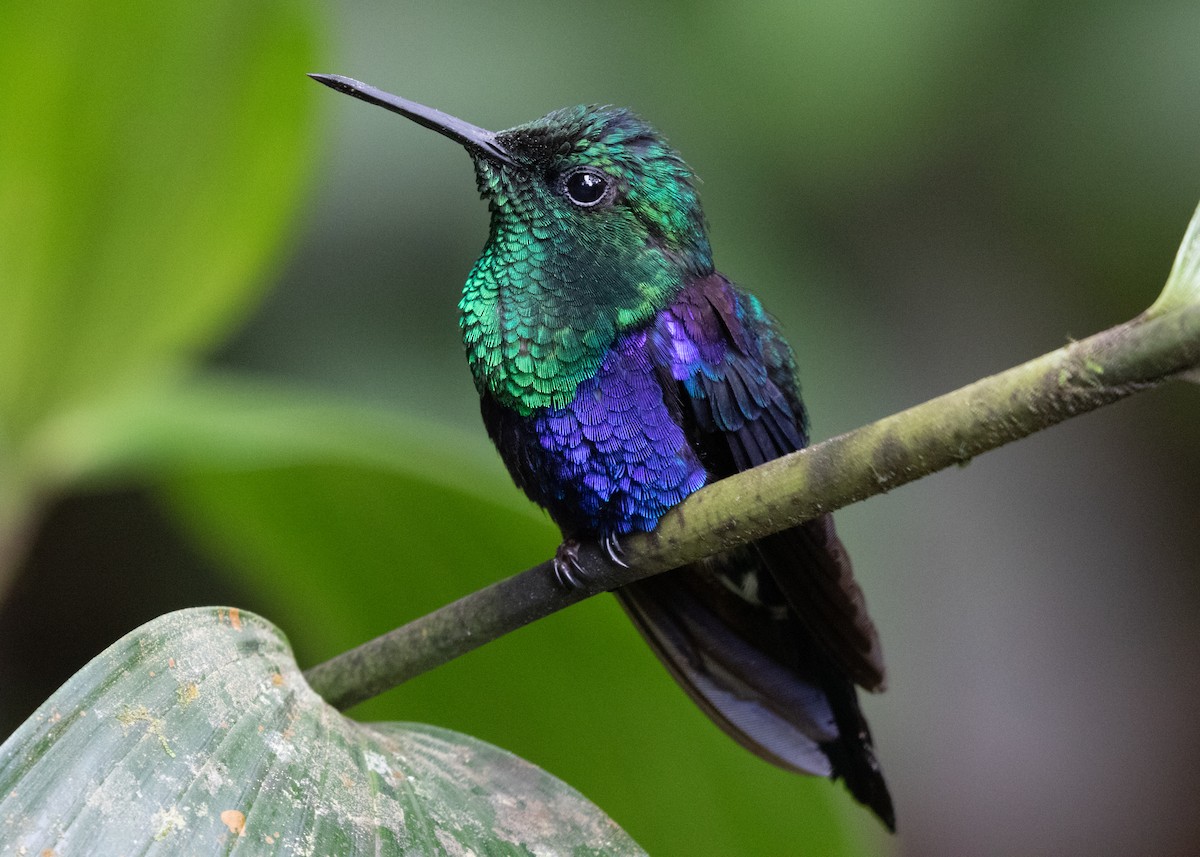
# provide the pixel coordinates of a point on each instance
(567, 569)
(612, 547)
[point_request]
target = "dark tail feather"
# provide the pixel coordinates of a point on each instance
(794, 711)
(826, 598)
(853, 758)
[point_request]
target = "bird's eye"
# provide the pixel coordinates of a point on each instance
(586, 187)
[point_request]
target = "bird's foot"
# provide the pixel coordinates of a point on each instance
(612, 547)
(567, 569)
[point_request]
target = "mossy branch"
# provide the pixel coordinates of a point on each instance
(951, 429)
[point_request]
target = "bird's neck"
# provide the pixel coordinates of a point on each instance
(542, 307)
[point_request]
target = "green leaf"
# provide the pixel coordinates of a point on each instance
(232, 423)
(151, 158)
(197, 734)
(1183, 283)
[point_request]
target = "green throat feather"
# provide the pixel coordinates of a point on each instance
(556, 285)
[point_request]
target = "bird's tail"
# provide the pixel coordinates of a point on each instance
(753, 667)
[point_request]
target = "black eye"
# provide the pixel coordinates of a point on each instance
(586, 187)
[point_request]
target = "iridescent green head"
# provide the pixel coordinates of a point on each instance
(596, 226)
(603, 173)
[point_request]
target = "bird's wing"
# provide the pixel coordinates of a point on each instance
(735, 378)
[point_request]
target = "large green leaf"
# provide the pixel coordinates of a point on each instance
(150, 159)
(197, 734)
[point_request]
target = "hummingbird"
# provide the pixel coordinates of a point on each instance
(619, 372)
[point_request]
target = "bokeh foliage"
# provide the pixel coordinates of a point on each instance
(142, 189)
(924, 192)
(141, 197)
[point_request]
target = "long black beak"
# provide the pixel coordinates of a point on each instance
(461, 132)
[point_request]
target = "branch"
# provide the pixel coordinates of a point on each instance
(951, 429)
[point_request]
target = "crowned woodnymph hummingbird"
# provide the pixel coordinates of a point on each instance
(618, 372)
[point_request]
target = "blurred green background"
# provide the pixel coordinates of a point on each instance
(230, 372)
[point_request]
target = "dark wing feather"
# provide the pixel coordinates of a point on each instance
(769, 639)
(746, 410)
